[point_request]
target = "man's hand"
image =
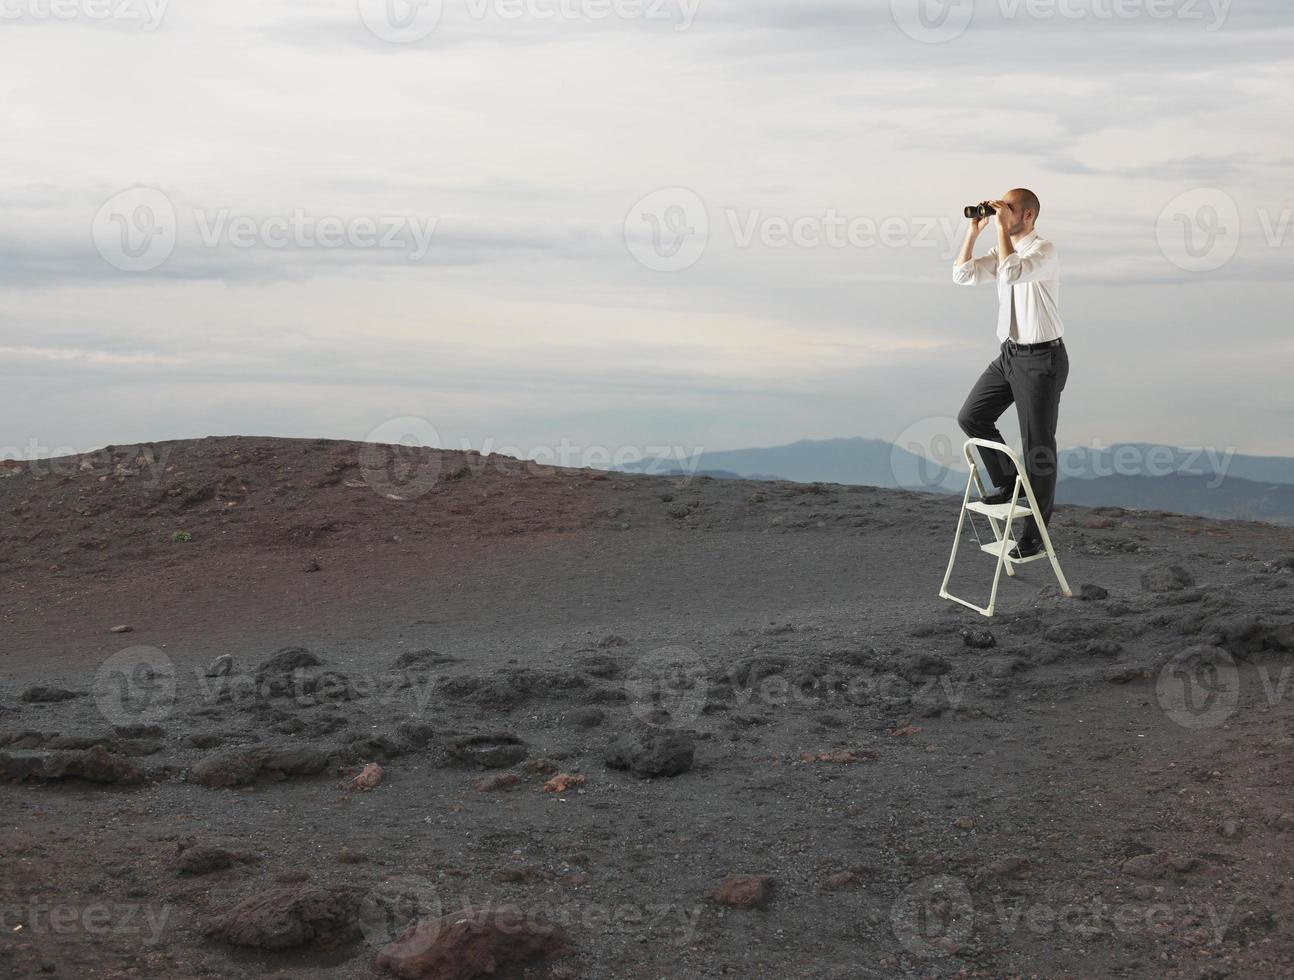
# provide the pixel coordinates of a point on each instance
(1006, 219)
(973, 227)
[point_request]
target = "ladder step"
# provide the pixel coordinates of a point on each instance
(999, 511)
(994, 548)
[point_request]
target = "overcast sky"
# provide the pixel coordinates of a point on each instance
(625, 224)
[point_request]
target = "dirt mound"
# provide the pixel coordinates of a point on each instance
(169, 503)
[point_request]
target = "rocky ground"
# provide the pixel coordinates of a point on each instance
(289, 708)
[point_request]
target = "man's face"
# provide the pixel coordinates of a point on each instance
(1017, 213)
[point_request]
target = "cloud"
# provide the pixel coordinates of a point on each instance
(1201, 170)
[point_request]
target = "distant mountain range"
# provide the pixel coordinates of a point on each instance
(1232, 499)
(1146, 459)
(1144, 476)
(865, 462)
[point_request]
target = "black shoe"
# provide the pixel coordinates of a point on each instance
(1026, 549)
(1002, 496)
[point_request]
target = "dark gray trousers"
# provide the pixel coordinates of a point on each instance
(1033, 380)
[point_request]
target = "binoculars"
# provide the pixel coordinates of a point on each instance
(979, 210)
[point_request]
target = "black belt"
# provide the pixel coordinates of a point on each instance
(1015, 348)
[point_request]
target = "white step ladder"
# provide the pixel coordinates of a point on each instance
(1002, 540)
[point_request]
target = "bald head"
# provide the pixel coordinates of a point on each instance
(1028, 200)
(1026, 206)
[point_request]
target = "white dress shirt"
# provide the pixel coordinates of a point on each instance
(1028, 289)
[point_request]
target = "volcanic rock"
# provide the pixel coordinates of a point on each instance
(471, 942)
(43, 694)
(1167, 578)
(978, 639)
(742, 891)
(585, 717)
(647, 755)
(496, 751)
(422, 659)
(96, 765)
(202, 859)
(236, 768)
(289, 917)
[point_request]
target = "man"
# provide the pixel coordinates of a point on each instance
(1032, 364)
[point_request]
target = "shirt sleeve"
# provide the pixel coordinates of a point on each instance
(977, 271)
(1037, 265)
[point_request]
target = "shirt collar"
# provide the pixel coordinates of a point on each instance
(1027, 240)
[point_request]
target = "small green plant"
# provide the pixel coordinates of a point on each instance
(181, 536)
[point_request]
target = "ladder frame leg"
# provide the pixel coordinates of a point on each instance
(998, 532)
(972, 480)
(1002, 535)
(1002, 560)
(952, 559)
(1046, 542)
